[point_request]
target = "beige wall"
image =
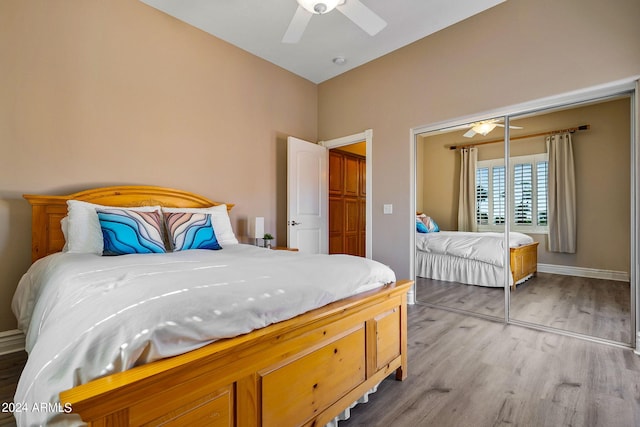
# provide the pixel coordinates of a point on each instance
(97, 92)
(107, 92)
(518, 51)
(439, 168)
(603, 175)
(602, 179)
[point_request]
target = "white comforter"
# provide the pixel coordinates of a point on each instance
(87, 316)
(485, 247)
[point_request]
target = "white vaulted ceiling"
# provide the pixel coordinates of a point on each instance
(258, 26)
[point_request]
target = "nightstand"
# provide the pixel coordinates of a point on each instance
(284, 248)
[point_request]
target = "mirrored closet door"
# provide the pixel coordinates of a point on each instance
(571, 193)
(456, 266)
(566, 197)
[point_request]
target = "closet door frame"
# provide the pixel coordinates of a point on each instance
(629, 86)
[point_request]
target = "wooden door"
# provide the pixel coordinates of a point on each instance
(347, 203)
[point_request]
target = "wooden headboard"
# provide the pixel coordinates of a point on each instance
(47, 211)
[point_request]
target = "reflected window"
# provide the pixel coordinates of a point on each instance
(482, 196)
(542, 176)
(499, 195)
(529, 189)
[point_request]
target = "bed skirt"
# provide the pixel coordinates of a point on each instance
(455, 269)
(346, 414)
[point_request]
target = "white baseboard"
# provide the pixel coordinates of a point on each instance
(594, 273)
(411, 296)
(11, 341)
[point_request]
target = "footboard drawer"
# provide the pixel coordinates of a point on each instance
(188, 404)
(387, 328)
(312, 383)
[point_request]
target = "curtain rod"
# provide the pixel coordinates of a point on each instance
(532, 135)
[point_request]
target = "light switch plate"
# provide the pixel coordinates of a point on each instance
(388, 209)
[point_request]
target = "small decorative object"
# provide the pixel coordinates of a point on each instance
(258, 229)
(267, 240)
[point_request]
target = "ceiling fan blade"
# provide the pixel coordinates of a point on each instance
(510, 127)
(362, 16)
(297, 26)
(470, 133)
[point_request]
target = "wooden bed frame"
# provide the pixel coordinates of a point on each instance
(303, 371)
(524, 262)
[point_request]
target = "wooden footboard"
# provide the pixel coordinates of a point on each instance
(300, 372)
(524, 262)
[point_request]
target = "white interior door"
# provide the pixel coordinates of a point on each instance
(307, 196)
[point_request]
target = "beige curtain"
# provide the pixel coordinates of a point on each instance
(562, 194)
(467, 197)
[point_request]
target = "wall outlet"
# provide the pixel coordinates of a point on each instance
(387, 209)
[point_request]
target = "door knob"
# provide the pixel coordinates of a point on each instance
(295, 223)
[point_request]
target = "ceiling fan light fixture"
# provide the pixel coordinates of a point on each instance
(319, 7)
(484, 128)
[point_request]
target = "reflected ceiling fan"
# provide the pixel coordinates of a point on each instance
(357, 12)
(484, 127)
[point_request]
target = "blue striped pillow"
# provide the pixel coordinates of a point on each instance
(190, 231)
(131, 232)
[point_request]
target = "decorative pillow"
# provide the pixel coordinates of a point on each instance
(190, 231)
(420, 227)
(219, 220)
(130, 232)
(429, 223)
(84, 234)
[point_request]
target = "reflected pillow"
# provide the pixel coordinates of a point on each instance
(432, 227)
(429, 223)
(420, 227)
(130, 232)
(190, 231)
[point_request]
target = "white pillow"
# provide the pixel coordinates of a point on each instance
(219, 220)
(84, 234)
(64, 224)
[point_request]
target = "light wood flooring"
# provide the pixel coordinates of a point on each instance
(470, 372)
(10, 367)
(466, 371)
(596, 307)
(476, 299)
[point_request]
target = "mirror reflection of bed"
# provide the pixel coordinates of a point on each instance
(585, 292)
(443, 278)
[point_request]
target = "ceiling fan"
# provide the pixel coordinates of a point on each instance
(484, 127)
(357, 12)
